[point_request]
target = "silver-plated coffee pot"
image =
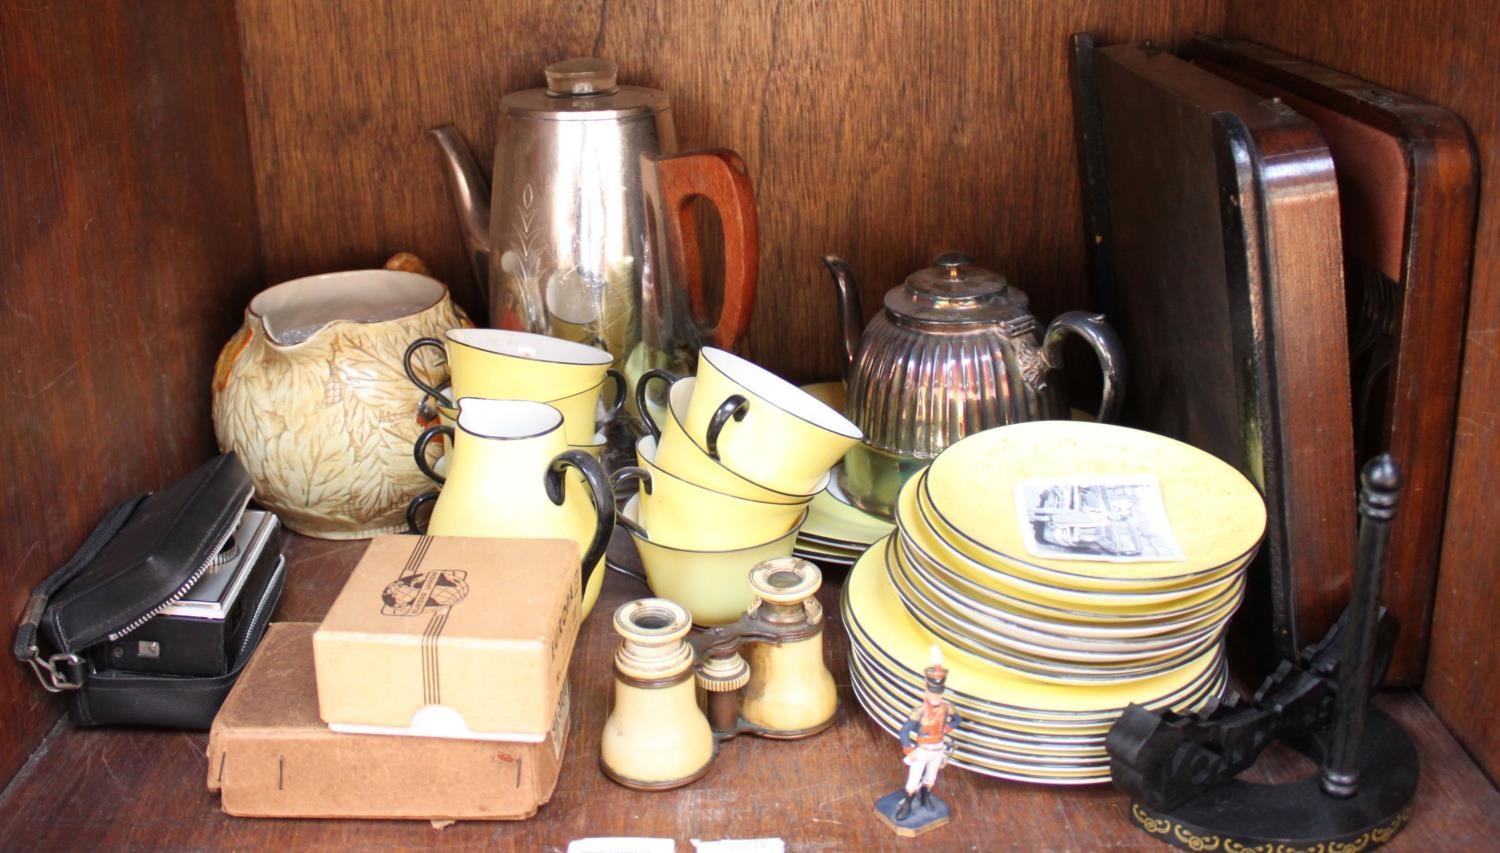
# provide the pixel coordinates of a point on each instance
(588, 233)
(954, 352)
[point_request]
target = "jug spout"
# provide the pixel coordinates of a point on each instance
(850, 316)
(470, 199)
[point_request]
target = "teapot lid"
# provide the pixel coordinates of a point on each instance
(954, 290)
(584, 89)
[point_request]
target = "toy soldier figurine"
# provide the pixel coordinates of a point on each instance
(925, 742)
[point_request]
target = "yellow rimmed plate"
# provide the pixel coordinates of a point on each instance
(1051, 633)
(919, 538)
(926, 518)
(929, 608)
(834, 522)
(874, 609)
(1076, 617)
(1016, 725)
(1216, 515)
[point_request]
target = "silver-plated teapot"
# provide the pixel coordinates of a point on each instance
(954, 352)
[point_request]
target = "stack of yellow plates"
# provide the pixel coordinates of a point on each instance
(1050, 631)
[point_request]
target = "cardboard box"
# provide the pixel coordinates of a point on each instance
(270, 756)
(450, 637)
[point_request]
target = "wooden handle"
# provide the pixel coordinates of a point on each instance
(719, 176)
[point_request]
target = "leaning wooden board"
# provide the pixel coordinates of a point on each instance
(1407, 176)
(1220, 220)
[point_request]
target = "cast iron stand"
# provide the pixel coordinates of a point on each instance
(1179, 770)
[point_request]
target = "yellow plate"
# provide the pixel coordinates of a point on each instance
(1047, 633)
(874, 605)
(1075, 616)
(1004, 715)
(974, 732)
(1216, 514)
(831, 520)
(993, 632)
(926, 518)
(965, 757)
(927, 545)
(1051, 731)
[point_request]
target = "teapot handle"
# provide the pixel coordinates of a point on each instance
(720, 176)
(1106, 344)
(599, 491)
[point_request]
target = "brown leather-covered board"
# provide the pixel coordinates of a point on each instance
(1225, 280)
(1407, 176)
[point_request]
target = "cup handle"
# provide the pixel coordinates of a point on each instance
(621, 389)
(720, 176)
(603, 496)
(411, 373)
(419, 450)
(641, 386)
(734, 406)
(619, 478)
(1106, 344)
(411, 513)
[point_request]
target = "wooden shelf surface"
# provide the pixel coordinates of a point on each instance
(111, 789)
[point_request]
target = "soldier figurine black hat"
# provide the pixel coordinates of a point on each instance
(925, 744)
(937, 677)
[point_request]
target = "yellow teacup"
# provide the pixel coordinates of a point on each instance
(582, 417)
(763, 427)
(684, 514)
(500, 364)
(678, 453)
(714, 586)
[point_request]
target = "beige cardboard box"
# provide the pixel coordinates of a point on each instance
(450, 637)
(270, 756)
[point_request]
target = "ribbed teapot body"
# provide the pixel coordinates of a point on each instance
(917, 387)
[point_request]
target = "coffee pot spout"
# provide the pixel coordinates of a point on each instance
(850, 315)
(470, 199)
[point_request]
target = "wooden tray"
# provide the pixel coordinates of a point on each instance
(1217, 255)
(1407, 193)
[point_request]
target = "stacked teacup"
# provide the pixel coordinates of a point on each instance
(726, 477)
(520, 423)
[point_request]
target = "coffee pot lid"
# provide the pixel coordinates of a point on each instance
(584, 89)
(954, 290)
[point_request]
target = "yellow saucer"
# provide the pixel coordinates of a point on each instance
(1216, 515)
(874, 605)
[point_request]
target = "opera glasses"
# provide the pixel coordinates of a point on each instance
(678, 696)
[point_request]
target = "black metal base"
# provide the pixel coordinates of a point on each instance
(1241, 815)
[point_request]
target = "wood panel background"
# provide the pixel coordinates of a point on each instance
(127, 249)
(1443, 51)
(886, 131)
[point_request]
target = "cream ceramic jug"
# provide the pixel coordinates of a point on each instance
(508, 477)
(310, 392)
